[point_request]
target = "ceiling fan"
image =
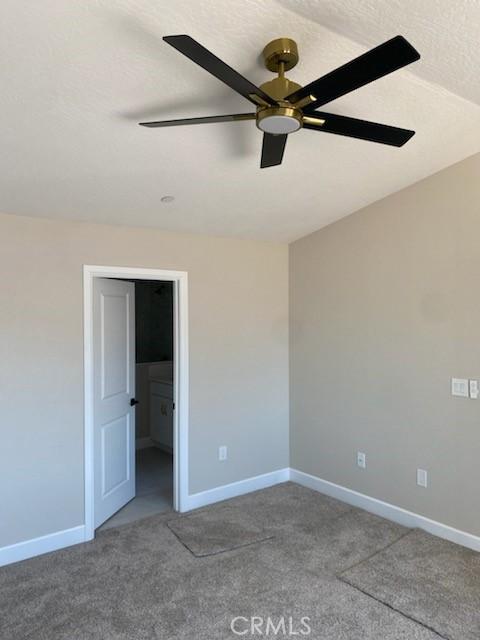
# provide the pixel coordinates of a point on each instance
(283, 106)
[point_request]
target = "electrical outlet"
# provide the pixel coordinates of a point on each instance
(222, 453)
(422, 478)
(361, 460)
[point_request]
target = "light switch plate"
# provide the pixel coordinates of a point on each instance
(473, 388)
(460, 387)
(422, 478)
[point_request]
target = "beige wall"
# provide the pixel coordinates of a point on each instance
(384, 310)
(238, 359)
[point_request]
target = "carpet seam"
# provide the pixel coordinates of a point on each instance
(392, 608)
(242, 546)
(216, 553)
(375, 553)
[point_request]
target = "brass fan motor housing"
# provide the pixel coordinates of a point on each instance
(279, 88)
(281, 50)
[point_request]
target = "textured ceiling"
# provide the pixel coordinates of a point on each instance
(77, 76)
(446, 32)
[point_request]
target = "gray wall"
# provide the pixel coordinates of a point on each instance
(238, 304)
(384, 310)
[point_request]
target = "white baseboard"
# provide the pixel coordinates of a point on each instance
(201, 499)
(43, 544)
(386, 510)
(69, 537)
(75, 535)
(143, 443)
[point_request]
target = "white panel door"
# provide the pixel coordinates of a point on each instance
(114, 388)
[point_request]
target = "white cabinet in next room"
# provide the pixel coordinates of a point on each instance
(161, 414)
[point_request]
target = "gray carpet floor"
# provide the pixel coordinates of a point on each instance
(139, 582)
(213, 531)
(430, 580)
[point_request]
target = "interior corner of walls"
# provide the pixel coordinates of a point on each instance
(43, 544)
(234, 489)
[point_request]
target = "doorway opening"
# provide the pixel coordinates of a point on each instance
(154, 405)
(136, 394)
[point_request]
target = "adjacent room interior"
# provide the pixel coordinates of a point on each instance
(240, 363)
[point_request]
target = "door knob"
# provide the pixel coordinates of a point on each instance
(133, 402)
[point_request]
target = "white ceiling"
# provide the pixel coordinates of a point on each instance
(77, 76)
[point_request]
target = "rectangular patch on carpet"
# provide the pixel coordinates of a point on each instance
(427, 579)
(210, 532)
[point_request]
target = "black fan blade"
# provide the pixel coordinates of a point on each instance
(201, 56)
(273, 147)
(204, 120)
(376, 63)
(354, 128)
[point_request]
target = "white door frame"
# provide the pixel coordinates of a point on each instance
(180, 376)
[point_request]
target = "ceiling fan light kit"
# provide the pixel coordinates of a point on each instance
(279, 120)
(283, 106)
